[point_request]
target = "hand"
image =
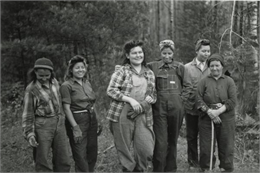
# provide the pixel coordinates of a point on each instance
(77, 134)
(136, 106)
(99, 128)
(210, 114)
(217, 120)
(216, 112)
(149, 99)
(33, 142)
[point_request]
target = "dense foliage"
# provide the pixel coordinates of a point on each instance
(98, 29)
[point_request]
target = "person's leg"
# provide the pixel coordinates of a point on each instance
(79, 150)
(92, 146)
(60, 148)
(144, 141)
(192, 132)
(205, 143)
(175, 120)
(225, 139)
(123, 136)
(44, 136)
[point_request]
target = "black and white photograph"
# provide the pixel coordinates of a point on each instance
(130, 86)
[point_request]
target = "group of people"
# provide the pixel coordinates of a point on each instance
(150, 101)
(53, 114)
(148, 104)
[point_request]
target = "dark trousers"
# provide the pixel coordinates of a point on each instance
(192, 132)
(50, 133)
(224, 135)
(168, 118)
(84, 153)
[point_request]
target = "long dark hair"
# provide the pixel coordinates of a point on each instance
(127, 48)
(31, 76)
(74, 60)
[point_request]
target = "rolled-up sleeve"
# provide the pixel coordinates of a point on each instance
(28, 116)
(65, 94)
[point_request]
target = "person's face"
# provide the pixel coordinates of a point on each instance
(216, 68)
(167, 55)
(43, 75)
(203, 53)
(79, 70)
(136, 56)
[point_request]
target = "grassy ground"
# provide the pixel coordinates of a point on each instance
(16, 155)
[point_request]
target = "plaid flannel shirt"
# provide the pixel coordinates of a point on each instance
(121, 84)
(39, 101)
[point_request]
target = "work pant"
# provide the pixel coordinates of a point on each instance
(168, 118)
(192, 133)
(85, 152)
(125, 133)
(50, 133)
(224, 134)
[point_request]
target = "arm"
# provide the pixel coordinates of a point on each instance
(115, 85)
(114, 90)
(28, 119)
(200, 104)
(188, 89)
(230, 103)
(151, 94)
(180, 73)
(69, 114)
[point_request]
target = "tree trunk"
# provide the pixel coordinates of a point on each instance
(241, 30)
(258, 36)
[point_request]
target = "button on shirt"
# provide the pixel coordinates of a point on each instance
(79, 97)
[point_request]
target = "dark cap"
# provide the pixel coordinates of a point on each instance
(216, 57)
(43, 63)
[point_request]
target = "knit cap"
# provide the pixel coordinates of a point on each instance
(43, 63)
(216, 57)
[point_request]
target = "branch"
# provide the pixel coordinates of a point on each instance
(222, 39)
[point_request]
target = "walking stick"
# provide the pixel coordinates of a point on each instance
(212, 144)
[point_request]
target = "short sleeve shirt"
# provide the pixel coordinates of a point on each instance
(79, 97)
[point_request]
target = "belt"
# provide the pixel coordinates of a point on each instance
(215, 106)
(81, 111)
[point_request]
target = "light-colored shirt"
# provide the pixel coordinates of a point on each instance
(200, 64)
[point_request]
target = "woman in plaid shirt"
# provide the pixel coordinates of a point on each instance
(132, 89)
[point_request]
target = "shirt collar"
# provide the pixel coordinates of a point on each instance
(42, 85)
(161, 64)
(143, 69)
(198, 62)
(72, 80)
(222, 76)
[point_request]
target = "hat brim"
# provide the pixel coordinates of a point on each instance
(43, 66)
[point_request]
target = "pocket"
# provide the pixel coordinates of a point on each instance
(161, 81)
(173, 82)
(39, 121)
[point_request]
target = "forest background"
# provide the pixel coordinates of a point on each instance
(58, 30)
